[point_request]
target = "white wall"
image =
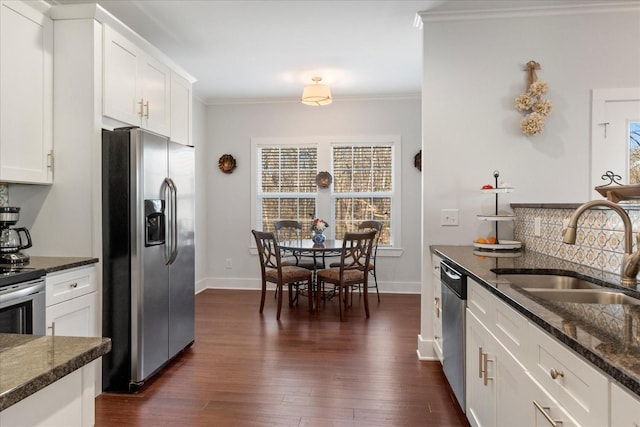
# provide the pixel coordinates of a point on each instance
(473, 71)
(230, 129)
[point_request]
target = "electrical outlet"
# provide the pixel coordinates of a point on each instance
(227, 263)
(449, 217)
(537, 226)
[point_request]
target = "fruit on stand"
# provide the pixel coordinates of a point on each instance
(491, 240)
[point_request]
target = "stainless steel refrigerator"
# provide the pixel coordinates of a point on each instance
(148, 254)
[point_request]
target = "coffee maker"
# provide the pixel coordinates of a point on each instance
(12, 240)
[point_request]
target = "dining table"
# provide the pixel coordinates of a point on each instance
(330, 248)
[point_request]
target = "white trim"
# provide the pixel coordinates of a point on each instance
(250, 283)
(599, 98)
(425, 349)
(523, 12)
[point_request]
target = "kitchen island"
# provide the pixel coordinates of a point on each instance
(613, 345)
(48, 380)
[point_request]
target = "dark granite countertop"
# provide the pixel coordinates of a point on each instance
(51, 264)
(608, 336)
(28, 363)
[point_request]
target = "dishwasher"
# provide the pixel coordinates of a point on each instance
(454, 303)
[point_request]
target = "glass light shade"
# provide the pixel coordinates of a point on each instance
(316, 94)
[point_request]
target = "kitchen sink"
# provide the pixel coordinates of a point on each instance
(584, 296)
(546, 281)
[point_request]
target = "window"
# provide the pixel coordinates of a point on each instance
(366, 184)
(286, 186)
(363, 187)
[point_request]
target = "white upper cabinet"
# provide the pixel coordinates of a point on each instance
(26, 76)
(180, 110)
(136, 87)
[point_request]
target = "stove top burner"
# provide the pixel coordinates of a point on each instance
(12, 274)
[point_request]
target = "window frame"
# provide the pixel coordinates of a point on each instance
(325, 197)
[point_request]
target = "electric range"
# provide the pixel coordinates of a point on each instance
(12, 274)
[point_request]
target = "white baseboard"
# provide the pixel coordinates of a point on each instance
(244, 283)
(425, 349)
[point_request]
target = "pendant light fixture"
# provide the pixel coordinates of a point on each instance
(316, 94)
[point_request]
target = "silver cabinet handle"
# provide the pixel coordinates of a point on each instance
(141, 104)
(146, 105)
(543, 410)
(50, 160)
(483, 367)
(555, 373)
(53, 329)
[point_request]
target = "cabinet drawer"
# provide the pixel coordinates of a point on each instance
(625, 408)
(542, 405)
(506, 324)
(70, 284)
(579, 387)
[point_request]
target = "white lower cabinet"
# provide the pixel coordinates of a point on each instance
(68, 402)
(72, 303)
(625, 408)
(73, 318)
(496, 382)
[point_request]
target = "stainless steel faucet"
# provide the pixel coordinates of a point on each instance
(631, 261)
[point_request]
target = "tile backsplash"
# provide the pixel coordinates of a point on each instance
(4, 195)
(600, 235)
(599, 246)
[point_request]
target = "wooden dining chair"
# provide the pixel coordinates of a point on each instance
(353, 269)
(367, 226)
(287, 230)
(273, 271)
(377, 226)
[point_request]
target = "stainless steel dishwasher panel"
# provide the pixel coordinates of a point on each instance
(454, 295)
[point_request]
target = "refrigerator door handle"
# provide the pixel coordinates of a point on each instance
(172, 202)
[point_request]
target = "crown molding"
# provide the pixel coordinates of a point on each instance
(522, 12)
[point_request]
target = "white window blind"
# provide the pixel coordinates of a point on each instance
(286, 187)
(363, 187)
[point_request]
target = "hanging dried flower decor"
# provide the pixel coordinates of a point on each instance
(531, 102)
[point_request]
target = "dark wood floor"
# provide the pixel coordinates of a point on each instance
(247, 369)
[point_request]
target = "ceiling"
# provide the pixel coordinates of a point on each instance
(267, 50)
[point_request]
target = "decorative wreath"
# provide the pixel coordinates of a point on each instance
(324, 179)
(227, 163)
(531, 102)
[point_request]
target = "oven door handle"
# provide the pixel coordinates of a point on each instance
(11, 295)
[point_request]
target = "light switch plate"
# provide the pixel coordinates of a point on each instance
(449, 217)
(537, 226)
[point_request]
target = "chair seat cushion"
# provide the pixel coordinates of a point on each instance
(337, 264)
(333, 275)
(290, 273)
